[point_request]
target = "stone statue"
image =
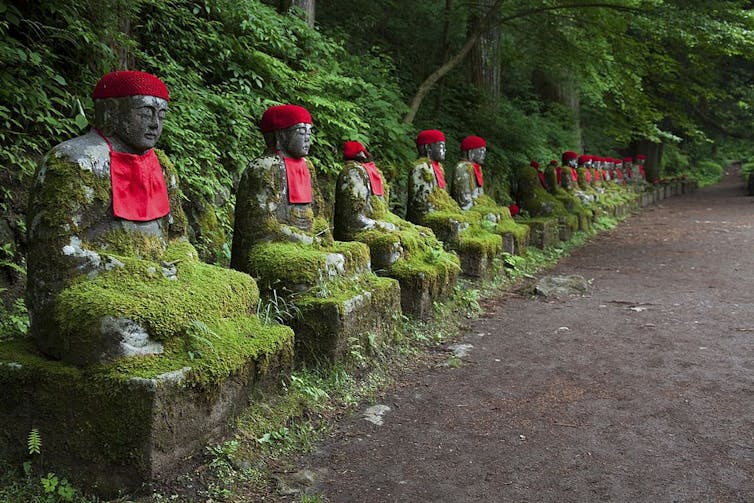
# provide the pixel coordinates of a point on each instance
(282, 237)
(640, 161)
(468, 180)
(569, 180)
(399, 249)
(467, 190)
(110, 268)
(430, 205)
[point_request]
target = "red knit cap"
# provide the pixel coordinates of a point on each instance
(553, 162)
(129, 83)
(584, 158)
(628, 159)
(429, 136)
(351, 150)
(641, 157)
(568, 156)
(472, 142)
(283, 116)
(534, 164)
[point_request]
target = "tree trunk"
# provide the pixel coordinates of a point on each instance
(486, 68)
(308, 6)
(653, 151)
(563, 91)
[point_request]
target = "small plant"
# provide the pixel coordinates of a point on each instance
(34, 441)
(278, 436)
(308, 388)
(57, 489)
(277, 308)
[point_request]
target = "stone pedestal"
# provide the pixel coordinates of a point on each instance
(545, 231)
(121, 426)
(348, 314)
(567, 225)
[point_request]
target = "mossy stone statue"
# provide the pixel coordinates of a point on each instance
(399, 249)
(282, 237)
(467, 189)
(430, 205)
(145, 351)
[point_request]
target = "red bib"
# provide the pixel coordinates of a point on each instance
(541, 178)
(478, 174)
(559, 174)
(139, 190)
(299, 180)
(439, 175)
(574, 175)
(588, 173)
(642, 172)
(375, 180)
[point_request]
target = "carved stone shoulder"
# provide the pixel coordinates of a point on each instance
(89, 151)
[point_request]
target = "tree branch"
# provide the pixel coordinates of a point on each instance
(487, 22)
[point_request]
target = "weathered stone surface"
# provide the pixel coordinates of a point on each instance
(399, 249)
(561, 286)
(545, 231)
(112, 430)
(463, 232)
(348, 314)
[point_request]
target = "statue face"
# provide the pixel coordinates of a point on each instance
(138, 124)
(476, 155)
(573, 163)
(436, 151)
(296, 140)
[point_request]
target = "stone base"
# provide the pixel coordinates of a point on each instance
(325, 327)
(418, 297)
(475, 264)
(647, 198)
(567, 225)
(544, 232)
(113, 434)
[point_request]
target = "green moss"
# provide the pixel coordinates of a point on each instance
(212, 352)
(166, 308)
(290, 264)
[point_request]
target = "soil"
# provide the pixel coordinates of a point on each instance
(641, 390)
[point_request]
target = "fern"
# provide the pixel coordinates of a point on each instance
(34, 441)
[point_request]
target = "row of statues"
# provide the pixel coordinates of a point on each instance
(112, 274)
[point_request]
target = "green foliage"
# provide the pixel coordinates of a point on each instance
(708, 172)
(34, 441)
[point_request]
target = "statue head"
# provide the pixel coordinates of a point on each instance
(570, 158)
(355, 151)
(627, 162)
(641, 159)
(288, 130)
(129, 109)
(535, 165)
(474, 149)
(585, 160)
(431, 143)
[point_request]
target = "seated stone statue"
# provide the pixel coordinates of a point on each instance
(467, 190)
(430, 205)
(282, 237)
(569, 179)
(399, 249)
(550, 220)
(111, 272)
(554, 176)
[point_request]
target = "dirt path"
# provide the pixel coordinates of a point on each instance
(641, 391)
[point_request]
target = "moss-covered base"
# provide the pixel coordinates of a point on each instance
(545, 231)
(567, 225)
(351, 312)
(110, 430)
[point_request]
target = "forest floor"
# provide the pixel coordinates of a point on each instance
(641, 390)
